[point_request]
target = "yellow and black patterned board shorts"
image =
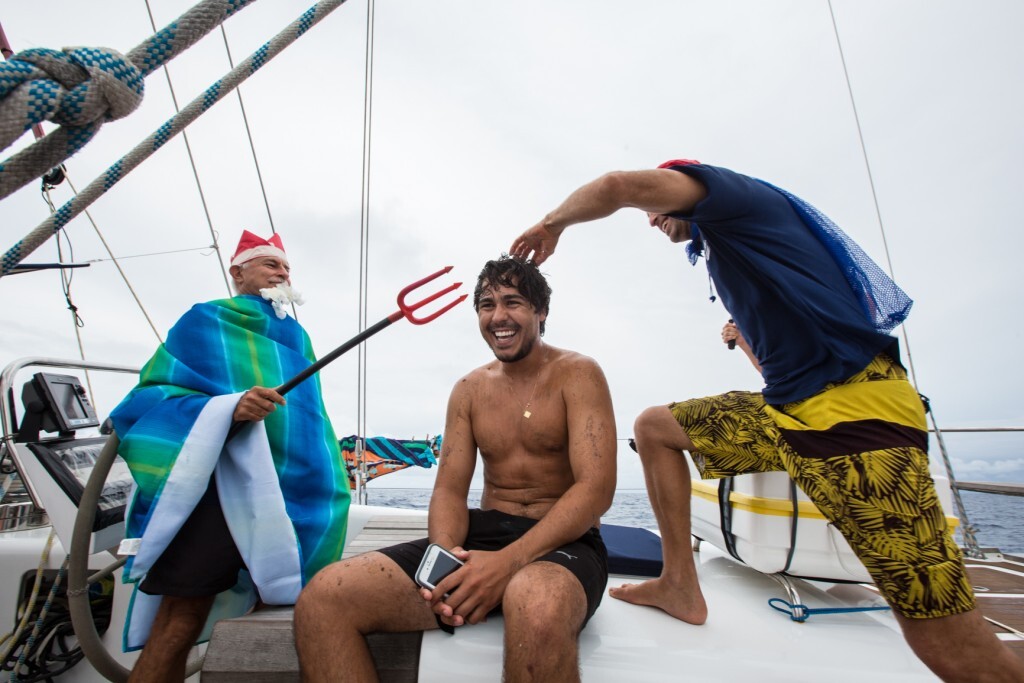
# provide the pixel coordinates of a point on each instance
(858, 449)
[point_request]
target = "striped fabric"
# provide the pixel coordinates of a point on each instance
(282, 482)
(384, 456)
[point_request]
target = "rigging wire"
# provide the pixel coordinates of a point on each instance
(972, 548)
(252, 148)
(114, 260)
(192, 161)
(66, 276)
(49, 181)
(871, 181)
(126, 164)
(364, 244)
(248, 132)
(208, 247)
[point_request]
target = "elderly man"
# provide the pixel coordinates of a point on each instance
(541, 419)
(837, 412)
(214, 522)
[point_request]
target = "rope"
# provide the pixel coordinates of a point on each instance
(800, 612)
(81, 88)
(30, 643)
(1006, 627)
(12, 638)
(162, 135)
(971, 547)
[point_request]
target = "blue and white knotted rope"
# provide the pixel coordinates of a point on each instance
(168, 130)
(82, 88)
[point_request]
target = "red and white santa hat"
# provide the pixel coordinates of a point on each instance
(252, 246)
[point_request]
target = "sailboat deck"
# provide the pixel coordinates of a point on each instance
(999, 588)
(258, 647)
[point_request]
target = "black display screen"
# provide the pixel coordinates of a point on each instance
(57, 403)
(66, 398)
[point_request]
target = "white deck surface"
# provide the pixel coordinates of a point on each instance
(743, 640)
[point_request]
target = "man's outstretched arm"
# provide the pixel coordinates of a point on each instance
(660, 191)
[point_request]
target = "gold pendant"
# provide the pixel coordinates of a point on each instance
(526, 414)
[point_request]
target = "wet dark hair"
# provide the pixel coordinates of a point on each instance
(522, 276)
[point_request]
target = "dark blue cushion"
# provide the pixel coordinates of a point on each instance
(632, 550)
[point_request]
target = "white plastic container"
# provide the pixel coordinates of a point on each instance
(762, 527)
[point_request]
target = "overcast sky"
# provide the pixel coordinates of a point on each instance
(486, 115)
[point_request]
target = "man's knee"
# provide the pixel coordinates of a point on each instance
(332, 585)
(656, 427)
(647, 421)
(530, 604)
(370, 591)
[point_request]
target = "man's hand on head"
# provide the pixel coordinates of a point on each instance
(536, 244)
(256, 404)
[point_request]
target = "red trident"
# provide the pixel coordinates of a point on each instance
(404, 311)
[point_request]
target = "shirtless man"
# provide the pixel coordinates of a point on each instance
(541, 419)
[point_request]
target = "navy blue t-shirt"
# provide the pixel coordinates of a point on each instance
(783, 289)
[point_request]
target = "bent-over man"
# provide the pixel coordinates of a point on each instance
(837, 412)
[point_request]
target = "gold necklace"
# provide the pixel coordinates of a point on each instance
(526, 408)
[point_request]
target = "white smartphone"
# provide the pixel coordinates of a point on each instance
(436, 564)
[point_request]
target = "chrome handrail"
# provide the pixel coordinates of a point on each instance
(8, 420)
(8, 375)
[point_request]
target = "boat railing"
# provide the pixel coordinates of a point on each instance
(1000, 488)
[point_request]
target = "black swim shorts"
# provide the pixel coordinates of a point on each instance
(202, 559)
(586, 557)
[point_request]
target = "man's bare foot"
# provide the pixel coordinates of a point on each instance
(687, 605)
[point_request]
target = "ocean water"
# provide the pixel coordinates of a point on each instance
(997, 519)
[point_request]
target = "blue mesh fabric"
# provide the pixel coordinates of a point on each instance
(885, 305)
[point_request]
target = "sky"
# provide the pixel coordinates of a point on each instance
(484, 117)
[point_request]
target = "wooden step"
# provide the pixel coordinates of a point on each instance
(260, 647)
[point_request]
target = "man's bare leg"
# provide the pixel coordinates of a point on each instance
(544, 606)
(962, 647)
(344, 602)
(177, 625)
(660, 442)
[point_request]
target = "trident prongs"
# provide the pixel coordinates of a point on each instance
(406, 310)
